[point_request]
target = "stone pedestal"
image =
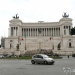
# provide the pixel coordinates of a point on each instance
(22, 52)
(17, 53)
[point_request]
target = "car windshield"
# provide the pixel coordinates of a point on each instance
(45, 56)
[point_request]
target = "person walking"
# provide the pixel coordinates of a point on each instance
(68, 56)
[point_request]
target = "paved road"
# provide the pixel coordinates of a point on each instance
(65, 66)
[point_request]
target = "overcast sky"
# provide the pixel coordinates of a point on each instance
(34, 11)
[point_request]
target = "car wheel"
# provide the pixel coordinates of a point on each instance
(38, 63)
(45, 62)
(33, 62)
(51, 63)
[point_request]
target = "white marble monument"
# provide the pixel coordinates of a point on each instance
(52, 33)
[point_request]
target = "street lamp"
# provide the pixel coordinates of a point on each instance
(25, 41)
(18, 43)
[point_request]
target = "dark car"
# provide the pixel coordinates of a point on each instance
(73, 55)
(42, 59)
(7, 55)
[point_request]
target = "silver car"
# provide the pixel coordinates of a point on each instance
(42, 58)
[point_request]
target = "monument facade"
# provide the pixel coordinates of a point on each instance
(44, 35)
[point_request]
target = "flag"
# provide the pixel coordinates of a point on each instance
(50, 38)
(22, 39)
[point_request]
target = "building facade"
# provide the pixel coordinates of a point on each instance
(40, 35)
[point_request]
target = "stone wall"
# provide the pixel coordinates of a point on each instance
(67, 51)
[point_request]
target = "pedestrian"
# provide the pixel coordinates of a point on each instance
(68, 56)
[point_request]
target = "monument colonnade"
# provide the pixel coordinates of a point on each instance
(33, 32)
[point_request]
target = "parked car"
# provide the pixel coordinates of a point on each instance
(56, 55)
(42, 58)
(7, 55)
(73, 55)
(1, 56)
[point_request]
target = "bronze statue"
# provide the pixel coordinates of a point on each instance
(39, 30)
(65, 15)
(16, 17)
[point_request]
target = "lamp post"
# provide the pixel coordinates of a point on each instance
(39, 45)
(53, 44)
(51, 38)
(18, 45)
(25, 41)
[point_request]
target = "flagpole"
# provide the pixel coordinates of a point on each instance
(18, 42)
(51, 38)
(25, 43)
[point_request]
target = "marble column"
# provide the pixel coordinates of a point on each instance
(16, 30)
(37, 31)
(30, 32)
(22, 31)
(44, 31)
(55, 31)
(59, 31)
(51, 31)
(48, 32)
(10, 31)
(69, 30)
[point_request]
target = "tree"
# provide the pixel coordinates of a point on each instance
(72, 32)
(3, 42)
